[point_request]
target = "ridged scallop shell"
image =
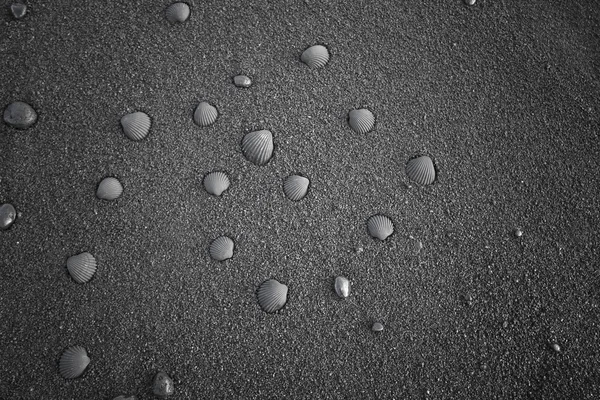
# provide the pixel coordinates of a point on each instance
(272, 295)
(362, 120)
(136, 125)
(8, 214)
(377, 327)
(221, 248)
(177, 12)
(258, 146)
(295, 187)
(380, 226)
(109, 189)
(81, 267)
(342, 286)
(73, 362)
(162, 385)
(421, 170)
(205, 114)
(18, 10)
(216, 183)
(315, 56)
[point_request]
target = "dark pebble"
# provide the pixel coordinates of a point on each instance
(20, 115)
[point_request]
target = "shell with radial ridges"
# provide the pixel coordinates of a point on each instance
(177, 12)
(216, 183)
(342, 286)
(73, 362)
(295, 187)
(136, 126)
(109, 189)
(315, 56)
(421, 170)
(205, 114)
(221, 248)
(258, 147)
(380, 226)
(362, 120)
(81, 267)
(272, 295)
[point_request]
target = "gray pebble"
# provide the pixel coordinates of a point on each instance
(7, 216)
(20, 115)
(470, 2)
(163, 385)
(518, 232)
(555, 347)
(242, 81)
(377, 327)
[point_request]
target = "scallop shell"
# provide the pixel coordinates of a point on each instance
(73, 362)
(362, 120)
(377, 327)
(295, 187)
(162, 385)
(216, 183)
(242, 81)
(315, 56)
(421, 170)
(272, 295)
(177, 12)
(205, 114)
(342, 286)
(258, 146)
(20, 115)
(18, 10)
(8, 214)
(109, 189)
(380, 226)
(81, 267)
(136, 125)
(221, 248)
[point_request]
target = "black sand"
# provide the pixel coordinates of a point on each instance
(504, 96)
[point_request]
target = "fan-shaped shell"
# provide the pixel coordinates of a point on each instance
(377, 327)
(8, 214)
(18, 10)
(342, 286)
(81, 267)
(136, 125)
(205, 114)
(258, 146)
(380, 226)
(272, 295)
(162, 385)
(177, 12)
(20, 115)
(221, 248)
(295, 187)
(216, 183)
(421, 170)
(73, 362)
(362, 120)
(316, 56)
(242, 81)
(109, 189)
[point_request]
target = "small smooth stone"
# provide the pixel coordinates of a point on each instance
(470, 2)
(163, 385)
(7, 216)
(377, 327)
(18, 10)
(20, 115)
(242, 81)
(518, 232)
(555, 347)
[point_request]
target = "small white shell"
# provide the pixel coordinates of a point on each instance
(315, 56)
(109, 189)
(162, 385)
(272, 295)
(216, 183)
(258, 146)
(342, 286)
(177, 12)
(136, 125)
(221, 248)
(295, 187)
(81, 267)
(362, 120)
(421, 170)
(73, 362)
(205, 114)
(380, 226)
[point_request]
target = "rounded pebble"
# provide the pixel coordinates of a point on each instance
(123, 397)
(8, 215)
(518, 232)
(20, 115)
(242, 81)
(18, 10)
(470, 2)
(555, 347)
(377, 327)
(342, 286)
(163, 385)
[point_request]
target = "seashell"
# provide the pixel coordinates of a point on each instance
(216, 183)
(315, 56)
(295, 187)
(205, 114)
(136, 125)
(123, 397)
(8, 214)
(73, 362)
(377, 327)
(162, 385)
(242, 81)
(421, 170)
(258, 146)
(342, 286)
(272, 295)
(177, 12)
(362, 120)
(81, 267)
(109, 189)
(380, 226)
(221, 248)
(20, 115)
(18, 10)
